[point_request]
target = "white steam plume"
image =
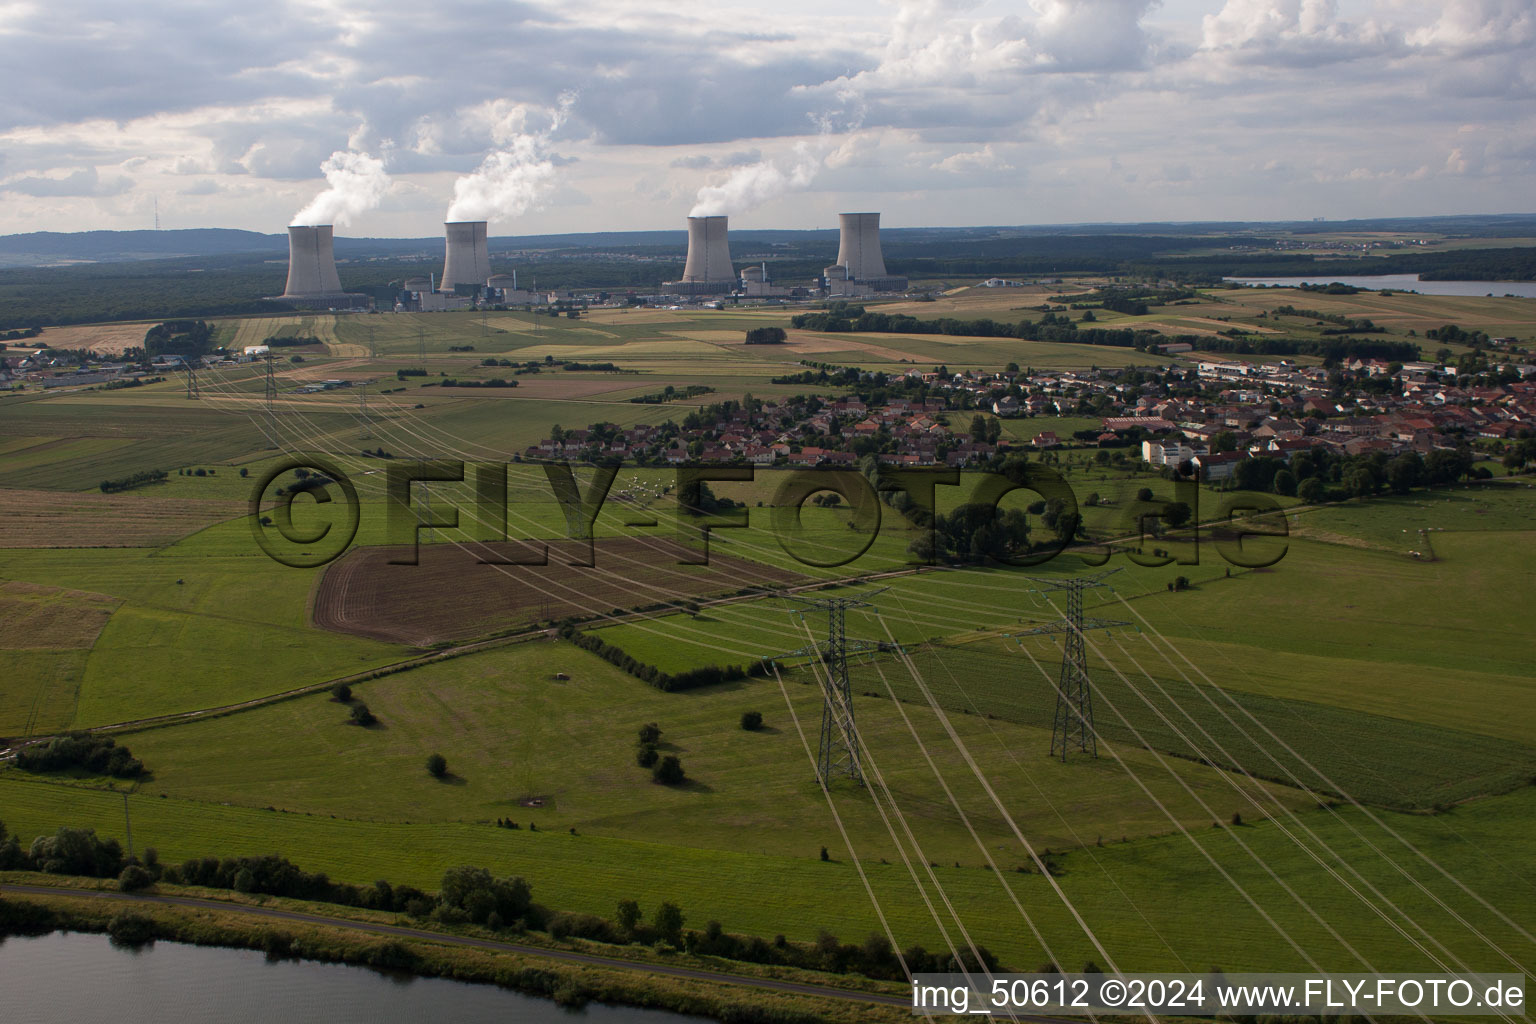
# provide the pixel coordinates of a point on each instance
(514, 178)
(357, 184)
(755, 184)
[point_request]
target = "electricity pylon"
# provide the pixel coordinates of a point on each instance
(271, 390)
(1073, 726)
(839, 751)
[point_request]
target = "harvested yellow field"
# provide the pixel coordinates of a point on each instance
(50, 618)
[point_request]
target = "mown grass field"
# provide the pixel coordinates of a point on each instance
(1157, 904)
(504, 721)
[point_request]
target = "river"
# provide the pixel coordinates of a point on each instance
(75, 976)
(1404, 283)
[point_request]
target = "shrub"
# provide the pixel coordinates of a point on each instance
(668, 771)
(437, 766)
(751, 720)
(650, 733)
(128, 928)
(361, 715)
(341, 692)
(646, 757)
(134, 878)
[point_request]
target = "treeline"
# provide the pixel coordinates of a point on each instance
(1512, 264)
(1362, 326)
(671, 393)
(1053, 327)
(766, 336)
(1321, 475)
(128, 483)
(467, 895)
(598, 367)
(185, 338)
(99, 755)
(21, 335)
(668, 682)
(292, 341)
(494, 382)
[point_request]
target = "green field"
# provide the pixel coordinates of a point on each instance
(1352, 670)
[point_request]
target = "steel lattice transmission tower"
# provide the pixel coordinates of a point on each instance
(271, 389)
(1073, 725)
(839, 751)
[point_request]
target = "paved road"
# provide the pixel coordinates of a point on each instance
(569, 956)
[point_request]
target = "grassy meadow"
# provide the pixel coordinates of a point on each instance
(1351, 669)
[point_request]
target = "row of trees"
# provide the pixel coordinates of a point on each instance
(707, 675)
(467, 895)
(1322, 475)
(1061, 328)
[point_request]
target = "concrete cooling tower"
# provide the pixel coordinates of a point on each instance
(709, 253)
(860, 265)
(467, 260)
(858, 245)
(311, 263)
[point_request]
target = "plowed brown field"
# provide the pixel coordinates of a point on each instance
(451, 596)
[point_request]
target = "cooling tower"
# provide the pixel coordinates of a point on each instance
(311, 263)
(709, 254)
(467, 261)
(858, 246)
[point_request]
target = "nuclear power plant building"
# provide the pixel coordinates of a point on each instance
(466, 259)
(312, 278)
(860, 266)
(708, 269)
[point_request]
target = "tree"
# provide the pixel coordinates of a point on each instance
(668, 921)
(628, 915)
(361, 715)
(1405, 472)
(668, 771)
(1145, 494)
(1177, 513)
(1310, 489)
(1446, 466)
(646, 756)
(650, 733)
(1360, 482)
(437, 766)
(978, 428)
(1285, 483)
(751, 720)
(1226, 441)
(341, 692)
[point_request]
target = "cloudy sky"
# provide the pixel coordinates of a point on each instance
(589, 115)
